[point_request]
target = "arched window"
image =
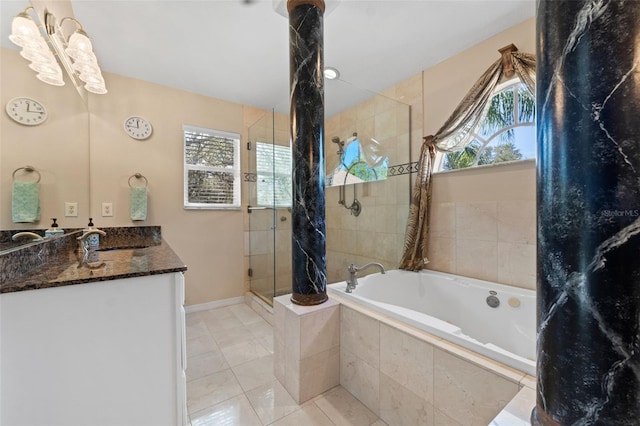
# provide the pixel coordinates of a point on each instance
(507, 132)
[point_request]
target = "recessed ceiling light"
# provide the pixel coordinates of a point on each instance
(331, 73)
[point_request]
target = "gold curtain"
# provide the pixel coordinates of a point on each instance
(454, 135)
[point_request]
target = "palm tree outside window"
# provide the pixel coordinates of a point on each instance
(507, 132)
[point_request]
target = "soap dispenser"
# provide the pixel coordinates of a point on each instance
(93, 240)
(53, 230)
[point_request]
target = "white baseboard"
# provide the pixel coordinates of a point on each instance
(214, 304)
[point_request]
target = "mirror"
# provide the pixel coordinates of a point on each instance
(58, 148)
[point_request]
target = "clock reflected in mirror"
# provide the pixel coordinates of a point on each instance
(26, 111)
(138, 128)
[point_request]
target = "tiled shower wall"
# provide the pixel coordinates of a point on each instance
(377, 234)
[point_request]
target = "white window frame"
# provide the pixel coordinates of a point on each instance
(273, 175)
(440, 156)
(236, 170)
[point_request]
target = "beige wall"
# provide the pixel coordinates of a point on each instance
(483, 220)
(76, 149)
(57, 148)
(209, 241)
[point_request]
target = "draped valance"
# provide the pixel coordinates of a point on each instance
(454, 135)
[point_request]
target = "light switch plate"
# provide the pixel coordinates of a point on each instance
(71, 209)
(107, 209)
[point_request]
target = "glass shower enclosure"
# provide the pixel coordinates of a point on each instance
(366, 142)
(269, 209)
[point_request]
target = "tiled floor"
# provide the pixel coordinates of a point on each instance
(230, 377)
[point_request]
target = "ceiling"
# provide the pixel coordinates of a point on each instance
(237, 50)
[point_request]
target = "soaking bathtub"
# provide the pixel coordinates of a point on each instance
(456, 309)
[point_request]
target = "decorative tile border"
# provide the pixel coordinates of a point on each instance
(397, 170)
(403, 169)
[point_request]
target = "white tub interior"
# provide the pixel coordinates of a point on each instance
(455, 308)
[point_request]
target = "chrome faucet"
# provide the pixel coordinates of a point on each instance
(84, 236)
(352, 282)
(83, 239)
(83, 249)
(32, 235)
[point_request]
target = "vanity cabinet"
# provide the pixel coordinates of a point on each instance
(99, 353)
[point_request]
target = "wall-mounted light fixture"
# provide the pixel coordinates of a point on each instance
(26, 34)
(75, 52)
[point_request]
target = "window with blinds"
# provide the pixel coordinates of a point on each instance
(211, 169)
(273, 169)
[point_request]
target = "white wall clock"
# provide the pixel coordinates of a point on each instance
(138, 127)
(26, 111)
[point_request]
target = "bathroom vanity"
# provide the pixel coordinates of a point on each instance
(85, 346)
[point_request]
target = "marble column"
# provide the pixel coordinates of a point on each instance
(588, 118)
(306, 65)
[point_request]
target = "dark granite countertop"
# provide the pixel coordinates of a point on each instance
(123, 257)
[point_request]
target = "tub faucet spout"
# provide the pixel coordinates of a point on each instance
(352, 282)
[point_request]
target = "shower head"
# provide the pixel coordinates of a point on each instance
(340, 143)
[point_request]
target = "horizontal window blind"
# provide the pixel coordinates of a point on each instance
(212, 168)
(273, 169)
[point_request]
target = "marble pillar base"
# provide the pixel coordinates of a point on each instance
(540, 418)
(306, 347)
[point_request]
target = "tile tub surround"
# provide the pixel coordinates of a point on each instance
(518, 410)
(407, 376)
(466, 219)
(306, 347)
(455, 309)
(54, 263)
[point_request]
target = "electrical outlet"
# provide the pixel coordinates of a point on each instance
(71, 209)
(107, 209)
